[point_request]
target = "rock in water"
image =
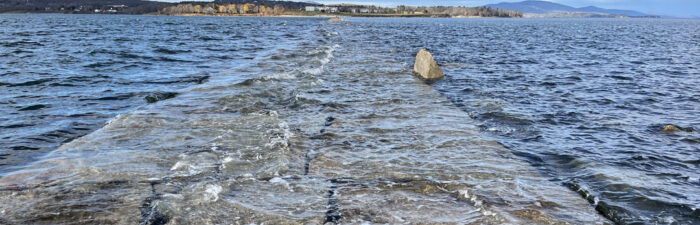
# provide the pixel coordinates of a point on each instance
(669, 128)
(672, 128)
(336, 19)
(159, 96)
(426, 67)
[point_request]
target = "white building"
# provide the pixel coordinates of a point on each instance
(322, 9)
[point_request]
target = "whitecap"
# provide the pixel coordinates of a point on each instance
(211, 192)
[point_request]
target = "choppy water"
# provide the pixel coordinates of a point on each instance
(301, 120)
(586, 102)
(64, 76)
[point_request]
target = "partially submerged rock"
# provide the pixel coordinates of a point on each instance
(336, 19)
(426, 67)
(159, 96)
(674, 128)
(669, 128)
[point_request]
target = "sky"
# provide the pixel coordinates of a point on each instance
(679, 8)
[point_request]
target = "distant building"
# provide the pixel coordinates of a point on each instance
(347, 8)
(354, 8)
(115, 8)
(325, 9)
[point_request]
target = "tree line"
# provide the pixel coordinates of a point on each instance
(264, 9)
(457, 11)
(226, 8)
(257, 7)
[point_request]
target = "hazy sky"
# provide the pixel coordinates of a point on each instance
(684, 8)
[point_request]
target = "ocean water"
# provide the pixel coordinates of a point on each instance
(65, 76)
(177, 120)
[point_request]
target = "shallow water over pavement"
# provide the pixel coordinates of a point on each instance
(302, 120)
(319, 138)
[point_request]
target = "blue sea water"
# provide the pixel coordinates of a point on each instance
(64, 76)
(584, 100)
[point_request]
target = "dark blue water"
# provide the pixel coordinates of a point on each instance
(585, 101)
(64, 76)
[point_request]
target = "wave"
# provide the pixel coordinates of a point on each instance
(324, 55)
(29, 83)
(33, 107)
(170, 51)
(21, 44)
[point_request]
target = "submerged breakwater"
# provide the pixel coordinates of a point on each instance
(311, 139)
(300, 120)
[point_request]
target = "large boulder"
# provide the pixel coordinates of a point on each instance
(426, 67)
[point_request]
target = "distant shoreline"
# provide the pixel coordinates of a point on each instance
(259, 15)
(330, 15)
(247, 15)
(342, 15)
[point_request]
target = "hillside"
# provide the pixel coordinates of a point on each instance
(545, 9)
(82, 6)
(613, 11)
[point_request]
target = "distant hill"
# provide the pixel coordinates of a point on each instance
(613, 11)
(539, 7)
(551, 8)
(81, 6)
